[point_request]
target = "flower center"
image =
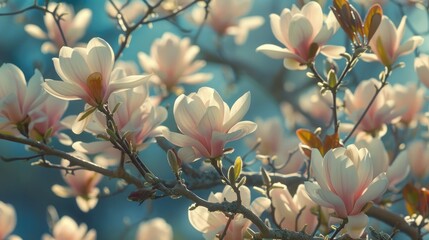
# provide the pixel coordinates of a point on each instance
(94, 83)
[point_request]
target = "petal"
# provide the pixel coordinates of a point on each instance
(49, 47)
(273, 51)
(240, 130)
(62, 191)
(356, 225)
(100, 57)
(410, 45)
(332, 51)
(238, 110)
(399, 170)
(185, 141)
(375, 190)
(35, 31)
(63, 90)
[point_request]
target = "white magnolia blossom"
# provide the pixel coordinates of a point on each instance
(172, 61)
(88, 75)
(67, 229)
(73, 27)
(207, 124)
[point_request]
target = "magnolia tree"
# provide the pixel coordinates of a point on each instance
(349, 153)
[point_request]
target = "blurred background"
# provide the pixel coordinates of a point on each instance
(28, 188)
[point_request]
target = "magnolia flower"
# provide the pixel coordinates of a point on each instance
(17, 100)
(87, 74)
(7, 221)
(131, 11)
(293, 213)
(172, 62)
(137, 118)
(381, 112)
(155, 229)
(66, 228)
(273, 145)
(386, 43)
(410, 98)
(417, 154)
(396, 171)
(82, 186)
(421, 65)
(46, 123)
(207, 124)
(346, 183)
(225, 18)
(73, 27)
(213, 223)
(303, 33)
(168, 7)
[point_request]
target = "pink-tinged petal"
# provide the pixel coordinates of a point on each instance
(185, 141)
(146, 62)
(210, 121)
(275, 27)
(313, 12)
(314, 191)
(410, 45)
(380, 159)
(399, 169)
(401, 28)
(13, 81)
(332, 51)
(188, 114)
(197, 78)
(198, 219)
(300, 34)
(375, 190)
(63, 90)
(85, 204)
(188, 154)
(79, 25)
(356, 225)
(35, 94)
(61, 191)
(238, 110)
(241, 129)
(274, 51)
(49, 47)
(318, 168)
(7, 219)
(35, 31)
(100, 57)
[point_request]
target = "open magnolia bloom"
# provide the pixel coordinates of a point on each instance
(381, 112)
(385, 43)
(137, 118)
(73, 26)
(67, 228)
(88, 74)
(319, 105)
(346, 183)
(17, 100)
(7, 221)
(154, 229)
(293, 213)
(82, 186)
(274, 146)
(304, 34)
(396, 170)
(171, 62)
(207, 124)
(226, 18)
(213, 223)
